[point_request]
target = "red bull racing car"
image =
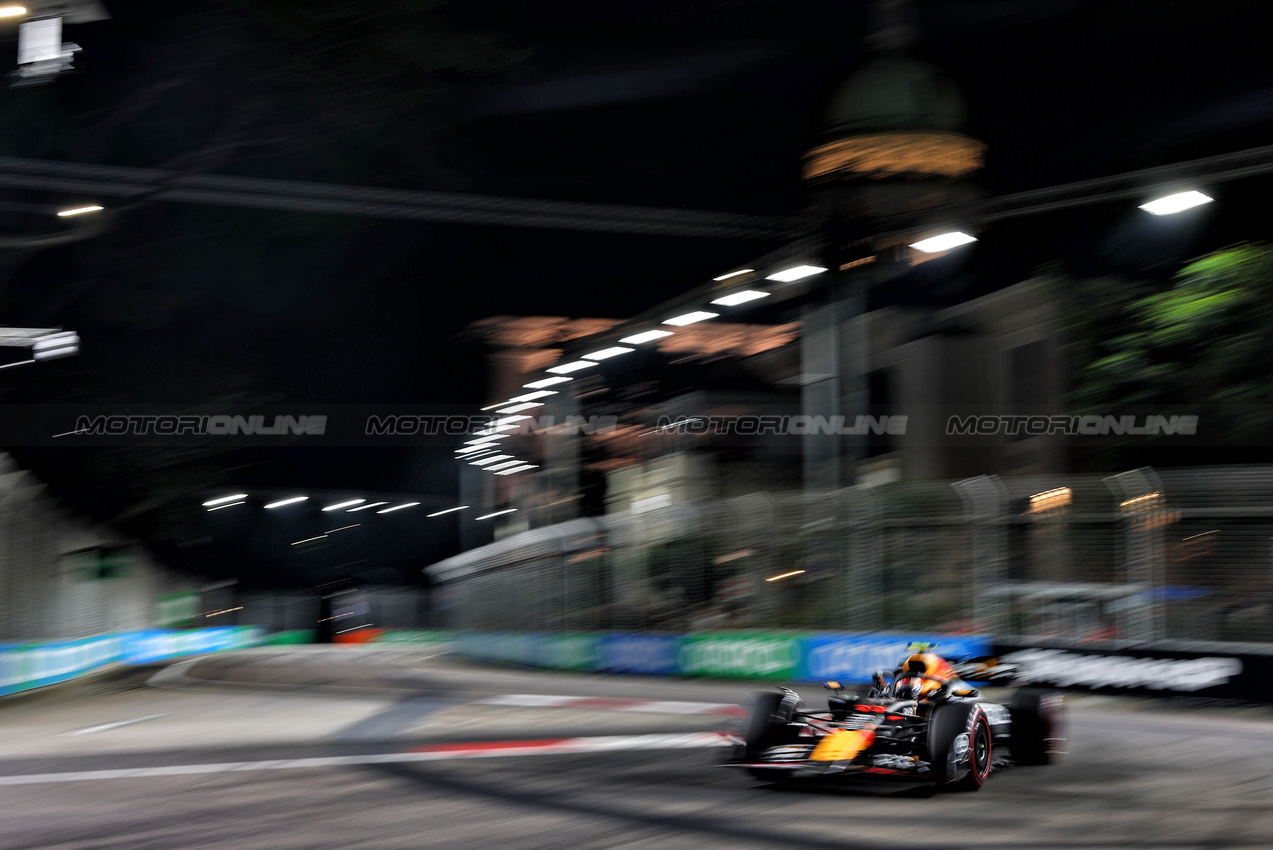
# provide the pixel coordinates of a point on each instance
(921, 722)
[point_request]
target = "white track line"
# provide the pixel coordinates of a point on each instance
(452, 751)
(103, 727)
(610, 704)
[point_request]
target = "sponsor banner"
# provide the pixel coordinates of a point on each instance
(853, 658)
(508, 648)
(291, 637)
(740, 655)
(1144, 671)
(359, 636)
(641, 654)
(414, 636)
(157, 645)
(33, 665)
(569, 652)
(793, 657)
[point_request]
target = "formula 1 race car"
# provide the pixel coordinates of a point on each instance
(920, 722)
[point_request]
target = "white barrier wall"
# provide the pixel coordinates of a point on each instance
(46, 592)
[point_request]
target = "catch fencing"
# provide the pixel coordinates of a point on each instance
(61, 577)
(1142, 555)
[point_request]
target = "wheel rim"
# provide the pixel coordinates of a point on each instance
(979, 753)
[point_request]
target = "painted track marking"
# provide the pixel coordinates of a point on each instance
(429, 752)
(612, 704)
(104, 726)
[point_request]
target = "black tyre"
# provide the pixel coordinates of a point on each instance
(767, 724)
(1036, 725)
(947, 724)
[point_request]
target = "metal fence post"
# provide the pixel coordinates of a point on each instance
(1142, 505)
(984, 498)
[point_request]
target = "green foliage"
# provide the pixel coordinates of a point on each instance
(1201, 341)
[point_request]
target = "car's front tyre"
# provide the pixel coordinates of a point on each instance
(960, 745)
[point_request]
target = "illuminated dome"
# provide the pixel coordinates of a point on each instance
(894, 93)
(896, 116)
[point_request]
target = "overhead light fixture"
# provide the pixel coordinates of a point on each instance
(1178, 202)
(733, 274)
(566, 368)
(79, 210)
(481, 441)
(447, 511)
(221, 507)
(224, 499)
(310, 539)
(518, 408)
(493, 406)
(498, 513)
(365, 507)
(943, 242)
(796, 273)
(509, 420)
(290, 501)
(521, 468)
(505, 465)
(690, 318)
(12, 11)
(347, 504)
(536, 394)
(344, 528)
(743, 297)
(607, 353)
(54, 345)
(495, 429)
(398, 508)
(645, 336)
(547, 382)
(463, 450)
(491, 459)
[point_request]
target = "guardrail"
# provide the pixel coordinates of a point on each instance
(1225, 672)
(781, 656)
(1197, 671)
(25, 666)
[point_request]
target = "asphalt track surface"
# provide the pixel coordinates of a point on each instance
(345, 748)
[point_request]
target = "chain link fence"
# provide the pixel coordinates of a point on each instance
(64, 578)
(1138, 556)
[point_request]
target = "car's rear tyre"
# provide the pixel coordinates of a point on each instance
(1036, 725)
(946, 728)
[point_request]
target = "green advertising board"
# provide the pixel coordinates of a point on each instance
(414, 636)
(739, 655)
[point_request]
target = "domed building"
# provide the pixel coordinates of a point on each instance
(892, 144)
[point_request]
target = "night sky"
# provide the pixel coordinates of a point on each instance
(675, 103)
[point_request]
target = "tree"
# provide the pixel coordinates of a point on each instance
(1197, 346)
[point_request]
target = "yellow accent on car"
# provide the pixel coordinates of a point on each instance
(843, 745)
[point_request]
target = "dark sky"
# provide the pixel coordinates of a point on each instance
(697, 104)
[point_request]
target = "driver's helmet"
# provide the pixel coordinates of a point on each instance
(915, 687)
